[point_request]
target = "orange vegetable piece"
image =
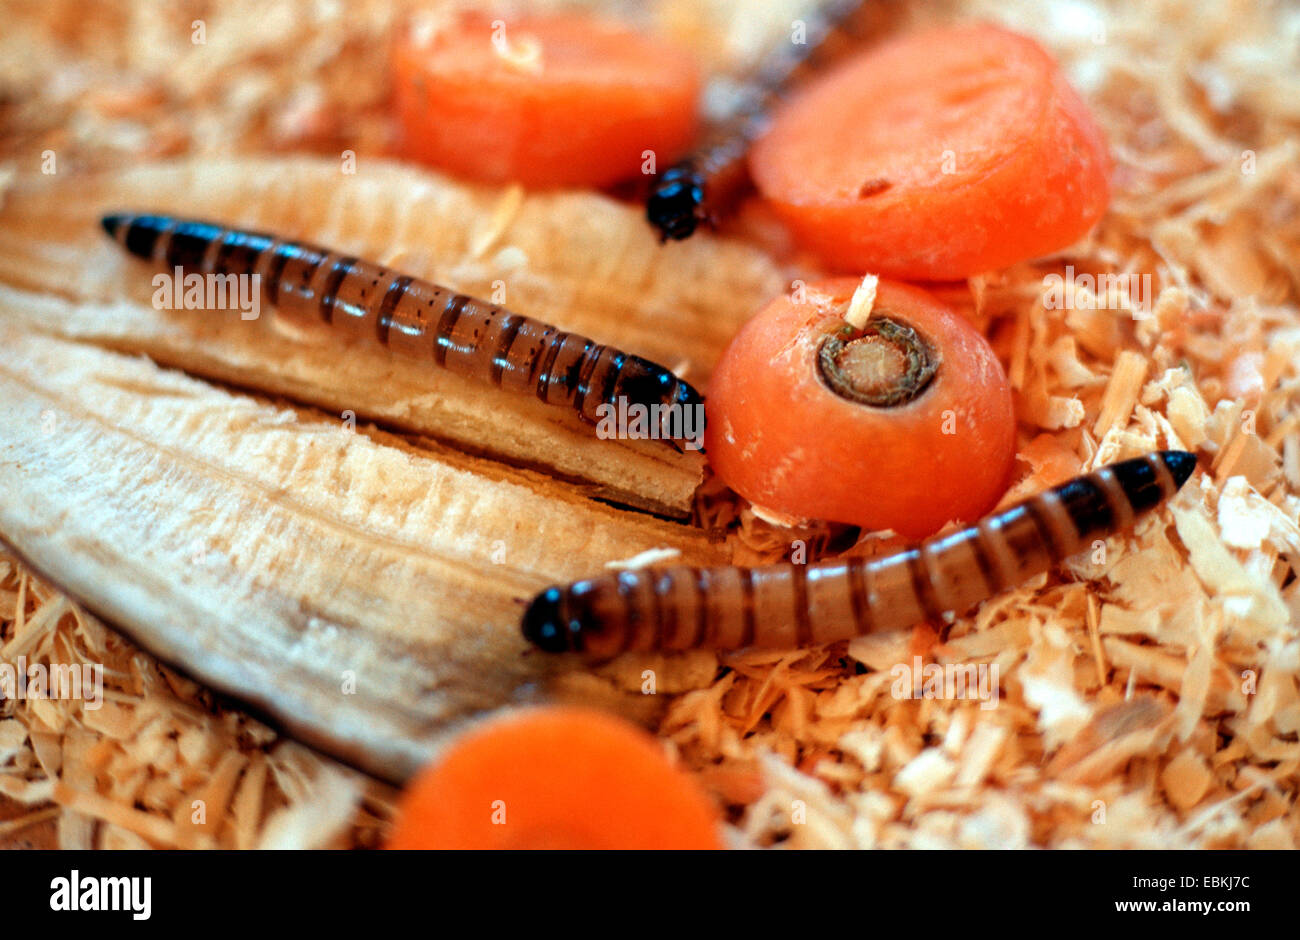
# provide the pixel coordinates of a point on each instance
(936, 156)
(563, 100)
(779, 435)
(555, 778)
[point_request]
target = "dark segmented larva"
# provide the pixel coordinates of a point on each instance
(787, 605)
(708, 181)
(416, 318)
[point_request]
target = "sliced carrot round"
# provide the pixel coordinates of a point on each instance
(563, 100)
(783, 434)
(935, 156)
(555, 778)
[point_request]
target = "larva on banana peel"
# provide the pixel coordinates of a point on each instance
(417, 318)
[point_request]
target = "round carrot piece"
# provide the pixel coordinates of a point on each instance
(936, 156)
(905, 424)
(555, 778)
(563, 100)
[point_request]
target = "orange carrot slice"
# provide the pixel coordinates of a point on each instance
(936, 156)
(546, 101)
(555, 778)
(781, 435)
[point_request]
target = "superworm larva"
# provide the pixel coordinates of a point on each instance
(418, 319)
(708, 180)
(788, 605)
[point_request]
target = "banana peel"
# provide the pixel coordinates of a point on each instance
(361, 592)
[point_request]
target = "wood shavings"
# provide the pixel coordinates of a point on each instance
(1224, 574)
(320, 812)
(1186, 779)
(928, 771)
(12, 737)
(645, 559)
(1245, 518)
(776, 518)
(107, 761)
(1048, 686)
(1122, 392)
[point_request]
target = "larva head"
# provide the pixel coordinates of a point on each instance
(138, 234)
(545, 625)
(560, 620)
(642, 382)
(674, 408)
(1110, 498)
(676, 203)
(687, 396)
(1180, 464)
(1150, 480)
(114, 223)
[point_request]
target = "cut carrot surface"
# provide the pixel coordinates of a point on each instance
(555, 778)
(564, 100)
(781, 435)
(936, 156)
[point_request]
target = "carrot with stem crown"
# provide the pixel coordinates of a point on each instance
(903, 422)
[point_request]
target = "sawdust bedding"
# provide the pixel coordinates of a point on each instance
(1148, 693)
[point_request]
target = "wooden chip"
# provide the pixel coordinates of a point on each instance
(1186, 779)
(1121, 393)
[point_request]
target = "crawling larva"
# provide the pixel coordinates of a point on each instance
(707, 181)
(787, 605)
(418, 319)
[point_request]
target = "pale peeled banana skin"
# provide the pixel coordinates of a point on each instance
(361, 593)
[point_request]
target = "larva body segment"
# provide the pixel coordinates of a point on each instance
(709, 180)
(787, 605)
(416, 318)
